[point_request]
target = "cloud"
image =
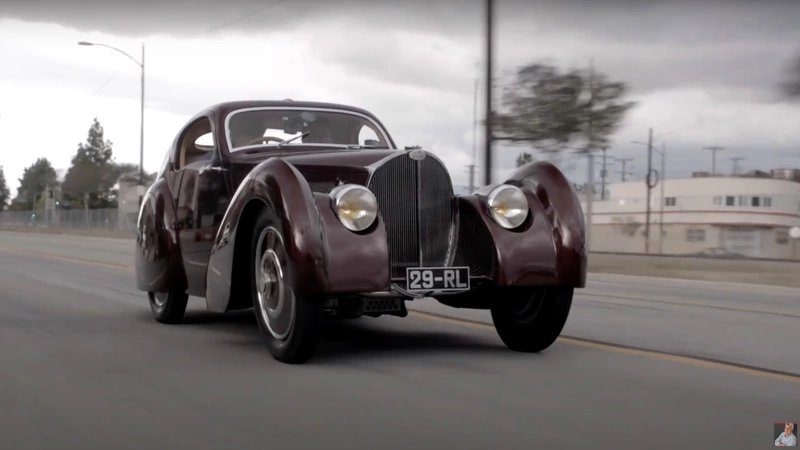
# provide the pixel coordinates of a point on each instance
(706, 69)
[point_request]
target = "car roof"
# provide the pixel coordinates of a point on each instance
(225, 108)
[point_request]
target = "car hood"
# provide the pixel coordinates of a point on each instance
(322, 168)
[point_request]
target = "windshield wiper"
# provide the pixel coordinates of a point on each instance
(294, 138)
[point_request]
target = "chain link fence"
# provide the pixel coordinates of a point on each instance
(75, 219)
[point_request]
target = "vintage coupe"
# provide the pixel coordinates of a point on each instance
(308, 212)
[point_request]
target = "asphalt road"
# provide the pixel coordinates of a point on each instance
(82, 365)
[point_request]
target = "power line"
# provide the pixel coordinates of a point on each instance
(109, 80)
(243, 17)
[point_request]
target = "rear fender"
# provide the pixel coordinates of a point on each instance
(273, 184)
(158, 261)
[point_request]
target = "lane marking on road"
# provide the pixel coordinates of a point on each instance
(636, 351)
(590, 297)
(695, 361)
(67, 259)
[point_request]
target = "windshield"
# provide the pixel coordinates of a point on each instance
(272, 127)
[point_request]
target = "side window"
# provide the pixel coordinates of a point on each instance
(368, 136)
(196, 144)
(205, 141)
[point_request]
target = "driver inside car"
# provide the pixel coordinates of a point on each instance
(319, 132)
(243, 130)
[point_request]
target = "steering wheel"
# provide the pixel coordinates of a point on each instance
(262, 139)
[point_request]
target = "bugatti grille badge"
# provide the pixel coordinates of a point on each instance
(417, 155)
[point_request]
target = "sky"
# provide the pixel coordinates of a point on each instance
(702, 72)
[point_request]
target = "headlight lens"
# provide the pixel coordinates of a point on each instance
(355, 206)
(508, 206)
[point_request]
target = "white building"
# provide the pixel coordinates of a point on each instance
(750, 216)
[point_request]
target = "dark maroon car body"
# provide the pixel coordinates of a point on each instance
(196, 221)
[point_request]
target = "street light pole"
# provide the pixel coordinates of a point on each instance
(141, 100)
(141, 128)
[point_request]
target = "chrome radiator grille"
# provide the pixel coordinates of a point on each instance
(416, 202)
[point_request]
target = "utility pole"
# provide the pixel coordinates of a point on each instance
(649, 184)
(735, 160)
(714, 149)
(603, 176)
(663, 181)
(474, 138)
(624, 172)
(489, 118)
(590, 161)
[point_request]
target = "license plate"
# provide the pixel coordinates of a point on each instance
(437, 279)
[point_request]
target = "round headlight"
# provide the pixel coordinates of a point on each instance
(355, 206)
(508, 206)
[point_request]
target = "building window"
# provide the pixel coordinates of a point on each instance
(767, 202)
(696, 235)
(782, 237)
(755, 201)
(669, 201)
(730, 201)
(742, 200)
(717, 201)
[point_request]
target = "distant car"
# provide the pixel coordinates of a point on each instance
(309, 211)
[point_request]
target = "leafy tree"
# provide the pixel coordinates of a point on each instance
(93, 173)
(132, 170)
(35, 179)
(791, 85)
(551, 110)
(4, 192)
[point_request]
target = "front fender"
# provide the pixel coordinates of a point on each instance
(549, 248)
(274, 184)
(158, 261)
(355, 262)
(559, 206)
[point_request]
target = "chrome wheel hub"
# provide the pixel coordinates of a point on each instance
(275, 296)
(160, 299)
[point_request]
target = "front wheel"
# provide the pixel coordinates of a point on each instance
(168, 307)
(530, 319)
(288, 321)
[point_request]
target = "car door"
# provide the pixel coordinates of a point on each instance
(202, 199)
